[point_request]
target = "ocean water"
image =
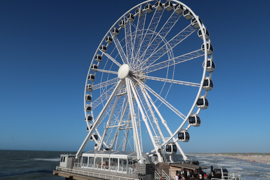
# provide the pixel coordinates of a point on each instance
(28, 164)
(40, 165)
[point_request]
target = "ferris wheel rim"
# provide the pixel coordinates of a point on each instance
(204, 71)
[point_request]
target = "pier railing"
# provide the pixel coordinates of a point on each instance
(92, 174)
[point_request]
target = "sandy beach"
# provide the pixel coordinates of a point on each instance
(259, 158)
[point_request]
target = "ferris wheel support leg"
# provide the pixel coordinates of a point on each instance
(95, 124)
(160, 158)
(108, 123)
(166, 126)
(120, 122)
(134, 123)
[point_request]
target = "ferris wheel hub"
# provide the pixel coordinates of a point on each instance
(123, 71)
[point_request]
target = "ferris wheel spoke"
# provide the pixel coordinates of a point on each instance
(111, 58)
(149, 33)
(176, 60)
(177, 39)
(163, 32)
(106, 71)
(138, 35)
(173, 81)
(120, 49)
(182, 116)
(105, 83)
(128, 40)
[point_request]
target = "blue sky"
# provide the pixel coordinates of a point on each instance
(47, 46)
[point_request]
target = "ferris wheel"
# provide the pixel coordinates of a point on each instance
(148, 80)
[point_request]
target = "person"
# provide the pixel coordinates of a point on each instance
(183, 177)
(177, 177)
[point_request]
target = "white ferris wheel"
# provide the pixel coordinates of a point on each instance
(148, 80)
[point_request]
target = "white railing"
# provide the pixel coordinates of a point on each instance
(92, 174)
(165, 175)
(157, 176)
(171, 174)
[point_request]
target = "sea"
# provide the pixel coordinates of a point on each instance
(40, 165)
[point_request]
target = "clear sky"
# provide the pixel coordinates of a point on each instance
(46, 48)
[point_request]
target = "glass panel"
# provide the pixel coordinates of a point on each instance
(181, 135)
(91, 162)
(98, 162)
(208, 63)
(168, 148)
(213, 64)
(105, 163)
(174, 148)
(123, 164)
(84, 161)
(205, 82)
(192, 120)
(114, 164)
(200, 102)
(187, 136)
(206, 102)
(211, 83)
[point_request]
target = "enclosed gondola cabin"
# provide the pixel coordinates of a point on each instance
(115, 31)
(208, 84)
(88, 108)
(89, 117)
(91, 77)
(98, 58)
(187, 14)
(206, 33)
(130, 17)
(183, 136)
(122, 24)
(194, 120)
(158, 6)
(209, 49)
(210, 65)
(94, 137)
(88, 97)
(94, 67)
(89, 87)
(169, 6)
(103, 48)
(109, 40)
(148, 8)
(171, 148)
(139, 12)
(195, 23)
(179, 8)
(202, 103)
